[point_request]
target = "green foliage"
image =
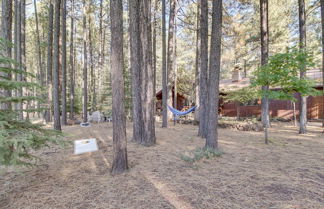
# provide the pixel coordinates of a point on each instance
(243, 95)
(201, 153)
(18, 138)
(281, 74)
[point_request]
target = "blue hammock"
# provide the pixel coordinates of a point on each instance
(179, 113)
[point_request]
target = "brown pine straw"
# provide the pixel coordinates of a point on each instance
(288, 173)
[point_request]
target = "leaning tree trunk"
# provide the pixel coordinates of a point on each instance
(64, 118)
(135, 56)
(147, 76)
(6, 33)
(302, 46)
(164, 71)
(56, 65)
(85, 65)
(203, 69)
(214, 71)
(170, 56)
(49, 78)
(264, 60)
(119, 163)
(322, 21)
(72, 83)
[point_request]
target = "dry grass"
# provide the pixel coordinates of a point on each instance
(288, 173)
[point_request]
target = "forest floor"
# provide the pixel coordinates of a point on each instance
(287, 173)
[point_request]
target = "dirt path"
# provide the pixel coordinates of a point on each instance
(289, 173)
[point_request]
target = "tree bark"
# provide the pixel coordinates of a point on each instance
(120, 163)
(135, 56)
(72, 83)
(197, 64)
(49, 82)
(175, 104)
(154, 26)
(164, 71)
(171, 56)
(322, 22)
(17, 52)
(56, 67)
(214, 71)
(92, 73)
(147, 75)
(23, 55)
(203, 69)
(302, 46)
(264, 60)
(63, 9)
(85, 64)
(6, 33)
(39, 60)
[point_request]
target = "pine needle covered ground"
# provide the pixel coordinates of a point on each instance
(288, 173)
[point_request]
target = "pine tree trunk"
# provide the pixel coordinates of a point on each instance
(63, 9)
(264, 60)
(203, 69)
(38, 49)
(6, 33)
(85, 65)
(302, 45)
(56, 67)
(322, 21)
(197, 64)
(18, 52)
(23, 56)
(154, 26)
(49, 82)
(175, 79)
(136, 70)
(119, 164)
(72, 83)
(214, 71)
(101, 51)
(92, 73)
(170, 55)
(164, 70)
(147, 76)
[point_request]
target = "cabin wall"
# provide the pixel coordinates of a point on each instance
(277, 108)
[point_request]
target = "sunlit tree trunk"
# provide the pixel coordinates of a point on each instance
(203, 69)
(264, 60)
(119, 163)
(302, 45)
(56, 66)
(213, 78)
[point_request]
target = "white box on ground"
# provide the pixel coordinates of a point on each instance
(85, 145)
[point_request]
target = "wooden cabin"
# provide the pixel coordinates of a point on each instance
(277, 108)
(182, 101)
